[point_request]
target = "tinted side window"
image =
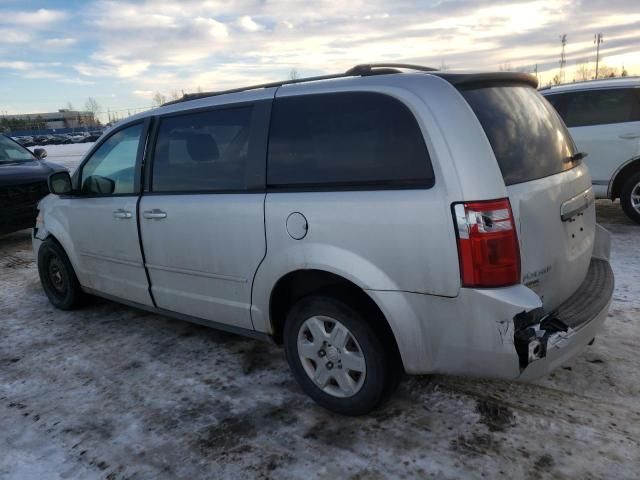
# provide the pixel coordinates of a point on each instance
(203, 151)
(346, 139)
(111, 168)
(599, 107)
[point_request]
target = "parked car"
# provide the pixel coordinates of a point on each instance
(386, 220)
(78, 137)
(92, 136)
(25, 141)
(23, 182)
(62, 139)
(603, 117)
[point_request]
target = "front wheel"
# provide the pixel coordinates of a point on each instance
(57, 276)
(337, 357)
(630, 197)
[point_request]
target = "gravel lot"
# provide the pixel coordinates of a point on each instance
(112, 392)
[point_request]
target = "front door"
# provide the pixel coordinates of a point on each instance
(202, 222)
(102, 218)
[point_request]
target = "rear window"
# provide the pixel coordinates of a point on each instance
(350, 139)
(528, 138)
(598, 107)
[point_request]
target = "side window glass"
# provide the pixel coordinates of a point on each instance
(203, 151)
(599, 107)
(346, 139)
(111, 168)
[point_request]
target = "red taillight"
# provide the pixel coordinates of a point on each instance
(487, 243)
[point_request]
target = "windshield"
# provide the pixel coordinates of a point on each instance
(527, 136)
(11, 152)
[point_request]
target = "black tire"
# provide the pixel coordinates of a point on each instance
(382, 368)
(57, 276)
(633, 183)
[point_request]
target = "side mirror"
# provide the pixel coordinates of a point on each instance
(60, 183)
(40, 153)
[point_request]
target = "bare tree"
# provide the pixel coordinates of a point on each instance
(69, 106)
(583, 72)
(174, 95)
(158, 99)
(293, 74)
(91, 105)
(606, 71)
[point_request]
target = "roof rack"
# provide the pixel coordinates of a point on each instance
(362, 70)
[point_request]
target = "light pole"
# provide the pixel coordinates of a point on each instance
(598, 39)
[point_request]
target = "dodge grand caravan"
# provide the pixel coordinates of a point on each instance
(389, 219)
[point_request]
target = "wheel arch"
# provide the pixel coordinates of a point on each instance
(628, 168)
(297, 284)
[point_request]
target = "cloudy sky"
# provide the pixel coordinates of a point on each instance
(121, 52)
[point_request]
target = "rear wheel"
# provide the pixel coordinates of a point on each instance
(337, 357)
(57, 276)
(630, 197)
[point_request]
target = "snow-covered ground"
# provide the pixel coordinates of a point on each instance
(112, 392)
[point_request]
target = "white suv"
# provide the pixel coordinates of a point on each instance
(373, 222)
(603, 117)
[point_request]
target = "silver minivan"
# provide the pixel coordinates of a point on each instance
(390, 219)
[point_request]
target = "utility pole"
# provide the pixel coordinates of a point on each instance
(598, 39)
(563, 59)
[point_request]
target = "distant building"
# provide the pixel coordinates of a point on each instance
(63, 118)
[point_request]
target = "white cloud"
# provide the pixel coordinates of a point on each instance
(14, 36)
(23, 66)
(111, 66)
(60, 42)
(39, 18)
(248, 24)
(143, 93)
(216, 29)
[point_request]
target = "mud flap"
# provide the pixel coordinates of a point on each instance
(536, 332)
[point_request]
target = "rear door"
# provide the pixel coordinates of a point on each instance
(605, 124)
(544, 183)
(202, 218)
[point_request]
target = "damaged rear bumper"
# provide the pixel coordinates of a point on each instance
(544, 341)
(499, 333)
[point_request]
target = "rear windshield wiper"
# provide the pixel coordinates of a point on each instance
(576, 157)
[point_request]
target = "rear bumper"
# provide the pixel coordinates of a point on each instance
(582, 315)
(493, 333)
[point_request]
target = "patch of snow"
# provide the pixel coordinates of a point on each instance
(109, 391)
(69, 155)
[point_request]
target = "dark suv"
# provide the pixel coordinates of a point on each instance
(23, 182)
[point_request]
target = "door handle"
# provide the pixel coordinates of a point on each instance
(629, 136)
(122, 213)
(155, 214)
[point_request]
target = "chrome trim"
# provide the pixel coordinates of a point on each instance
(577, 204)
